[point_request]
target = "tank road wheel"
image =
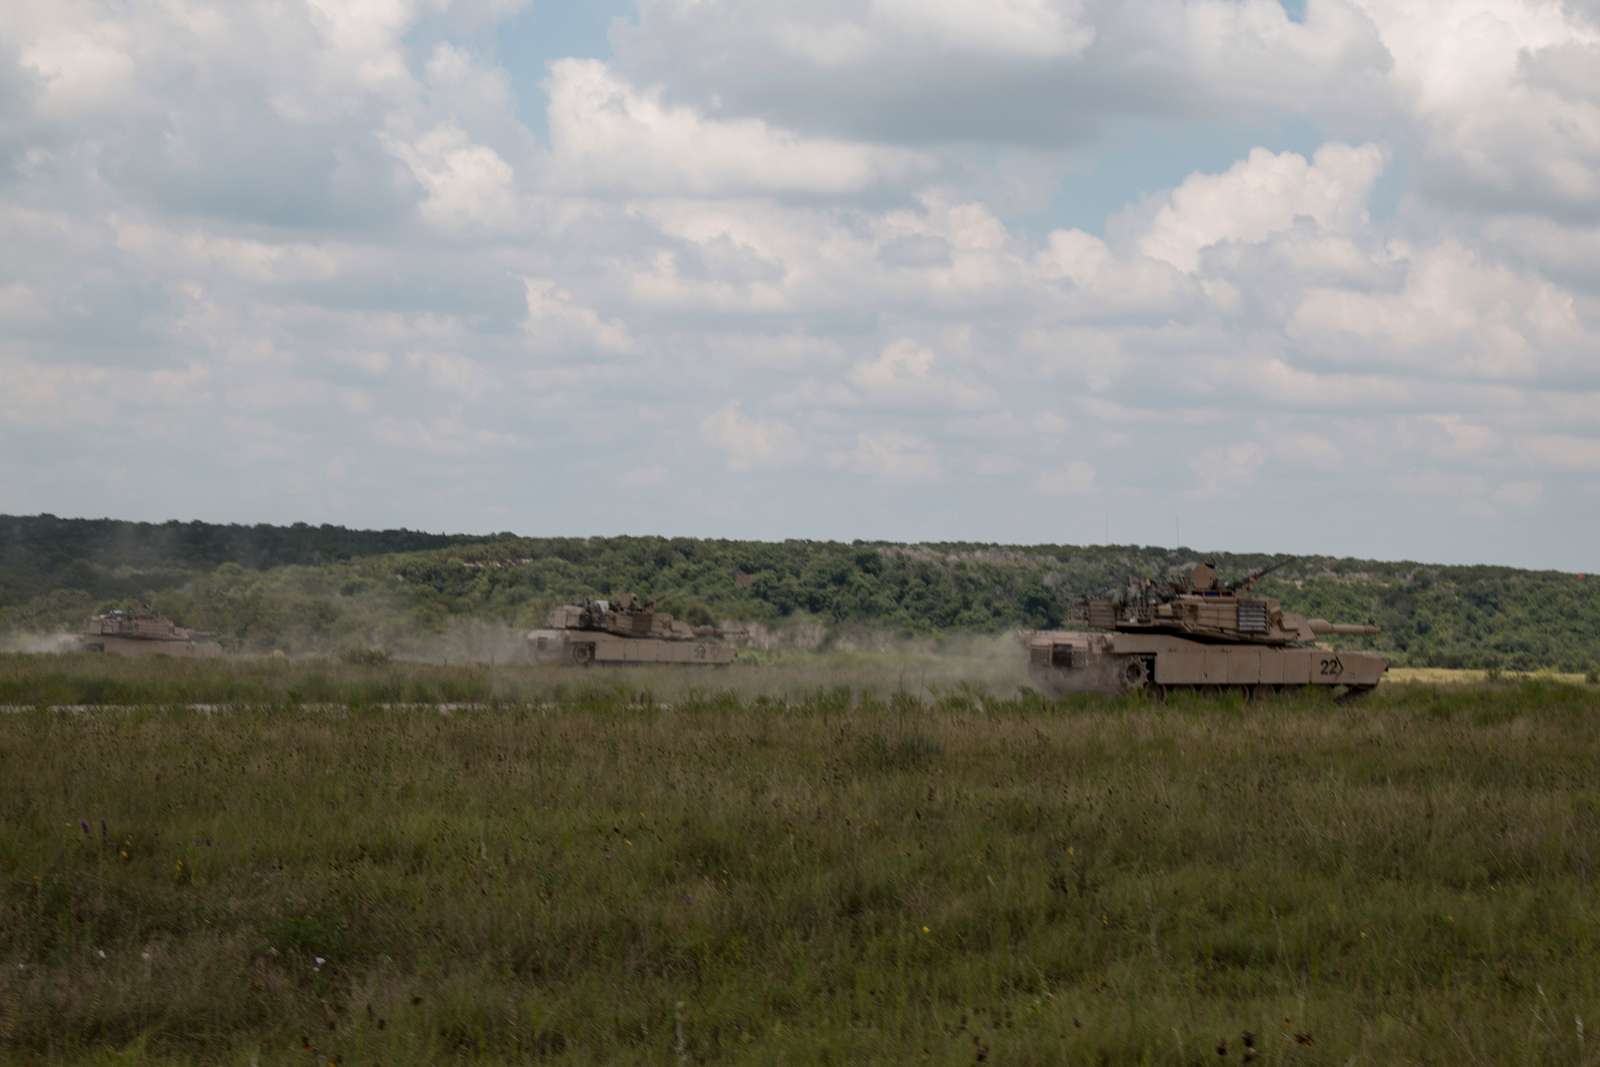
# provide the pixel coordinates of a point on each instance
(582, 655)
(1136, 675)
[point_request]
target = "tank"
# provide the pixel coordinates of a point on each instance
(1196, 632)
(625, 630)
(142, 633)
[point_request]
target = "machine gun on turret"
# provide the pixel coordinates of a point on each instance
(1243, 584)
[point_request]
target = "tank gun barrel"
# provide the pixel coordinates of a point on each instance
(1343, 629)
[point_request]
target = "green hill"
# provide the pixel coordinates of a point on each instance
(299, 587)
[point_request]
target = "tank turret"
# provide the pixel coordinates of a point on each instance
(625, 616)
(1198, 605)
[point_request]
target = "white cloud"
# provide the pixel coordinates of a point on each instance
(1075, 478)
(663, 281)
(83, 62)
(1471, 494)
(1111, 286)
(450, 371)
(1077, 256)
(606, 134)
(440, 435)
(903, 363)
(1456, 315)
(1453, 436)
(1221, 470)
(748, 443)
(1039, 72)
(789, 351)
(54, 395)
(366, 34)
(18, 301)
(750, 256)
(1252, 51)
(467, 184)
(371, 361)
(44, 394)
(1279, 382)
(1030, 29)
(1303, 449)
(1568, 253)
(903, 373)
(556, 322)
(889, 454)
(1488, 85)
(1261, 196)
(197, 249)
(1563, 452)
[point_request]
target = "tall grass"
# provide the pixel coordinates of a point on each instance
(839, 873)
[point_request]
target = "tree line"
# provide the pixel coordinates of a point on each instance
(295, 587)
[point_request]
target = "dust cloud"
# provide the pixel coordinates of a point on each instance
(795, 654)
(467, 640)
(38, 644)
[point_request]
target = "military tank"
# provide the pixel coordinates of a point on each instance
(143, 633)
(1197, 632)
(625, 630)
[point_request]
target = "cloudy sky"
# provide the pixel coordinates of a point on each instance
(1262, 275)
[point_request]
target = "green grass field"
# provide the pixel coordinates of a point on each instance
(847, 861)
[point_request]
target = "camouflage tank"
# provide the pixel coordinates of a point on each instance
(142, 633)
(625, 631)
(1198, 633)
